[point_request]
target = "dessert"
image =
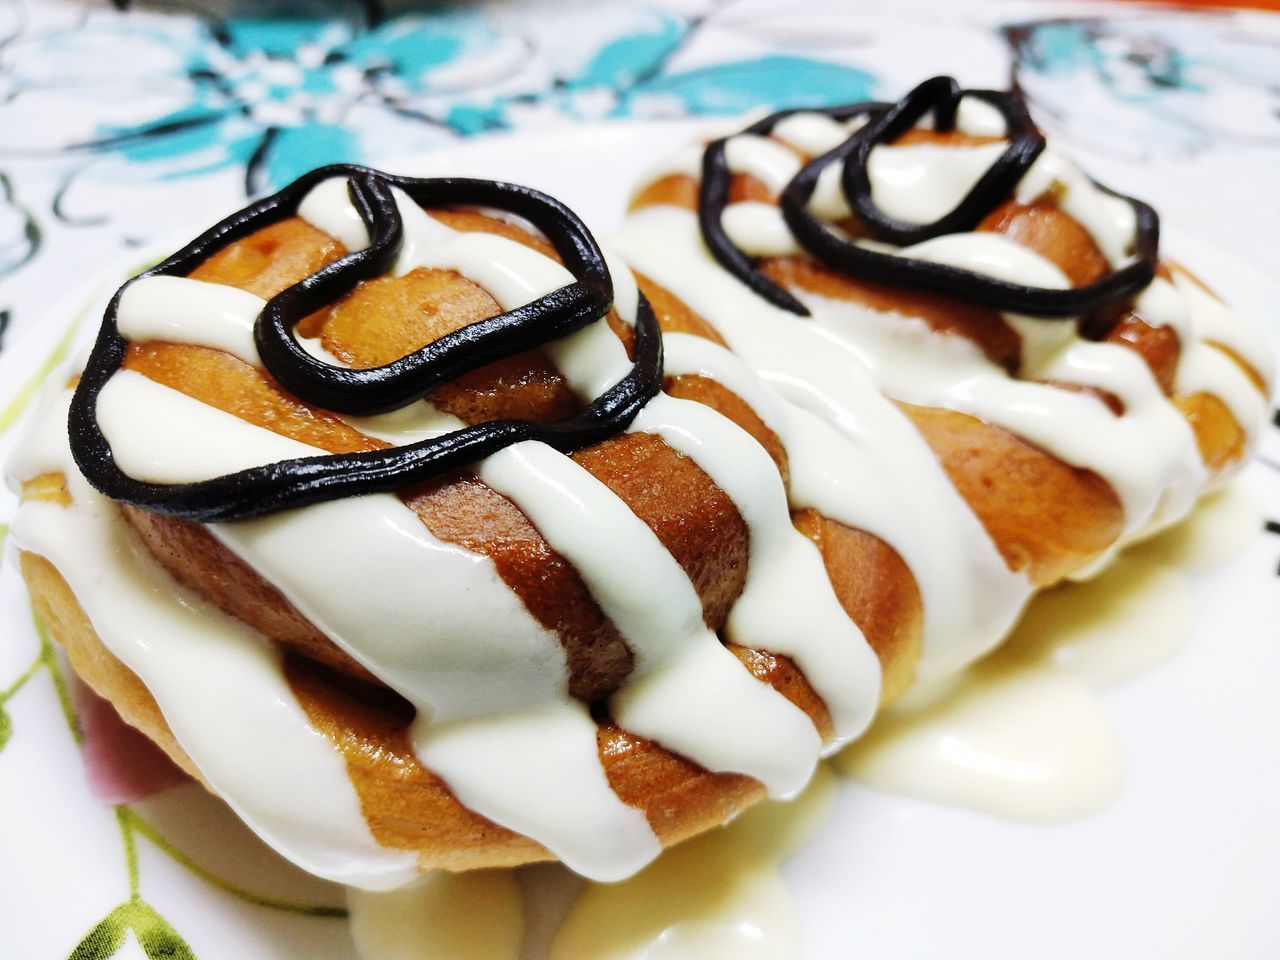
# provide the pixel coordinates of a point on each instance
(939, 284)
(427, 536)
(448, 596)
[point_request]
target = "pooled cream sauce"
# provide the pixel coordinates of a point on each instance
(1022, 734)
(444, 916)
(717, 897)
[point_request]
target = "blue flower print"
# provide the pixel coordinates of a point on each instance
(276, 95)
(1172, 83)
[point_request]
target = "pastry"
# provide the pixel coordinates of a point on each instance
(937, 282)
(426, 535)
(509, 652)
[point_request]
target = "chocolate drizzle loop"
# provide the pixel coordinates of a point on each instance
(713, 197)
(941, 95)
(886, 122)
(296, 483)
(395, 384)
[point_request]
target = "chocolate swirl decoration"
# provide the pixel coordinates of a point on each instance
(884, 123)
(297, 483)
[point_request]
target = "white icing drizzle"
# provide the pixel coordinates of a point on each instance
(657, 612)
(437, 624)
(853, 455)
(219, 684)
(1148, 455)
(762, 158)
(758, 229)
(183, 310)
(1109, 220)
(538, 772)
(991, 254)
(719, 896)
(979, 118)
(328, 207)
(921, 182)
(743, 726)
(187, 441)
(812, 629)
(1218, 323)
(685, 162)
(814, 134)
(1148, 452)
(915, 182)
(828, 200)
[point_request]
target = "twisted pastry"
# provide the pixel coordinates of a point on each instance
(448, 637)
(1078, 391)
(368, 462)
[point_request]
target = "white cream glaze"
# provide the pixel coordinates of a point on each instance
(371, 601)
(921, 182)
(916, 182)
(398, 620)
(1217, 323)
(735, 722)
(187, 441)
(717, 897)
(979, 118)
(1022, 735)
(758, 229)
(811, 628)
(328, 207)
(183, 310)
(1148, 455)
(812, 134)
(763, 158)
(538, 772)
(1109, 220)
(1203, 324)
(477, 915)
(219, 684)
(1029, 747)
(828, 201)
(991, 254)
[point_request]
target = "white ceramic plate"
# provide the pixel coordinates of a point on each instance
(1185, 863)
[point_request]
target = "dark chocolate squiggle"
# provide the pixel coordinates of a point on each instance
(886, 122)
(296, 483)
(713, 197)
(941, 95)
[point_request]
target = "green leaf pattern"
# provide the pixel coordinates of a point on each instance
(105, 938)
(158, 939)
(6, 726)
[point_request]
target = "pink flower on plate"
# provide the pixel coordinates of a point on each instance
(121, 763)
